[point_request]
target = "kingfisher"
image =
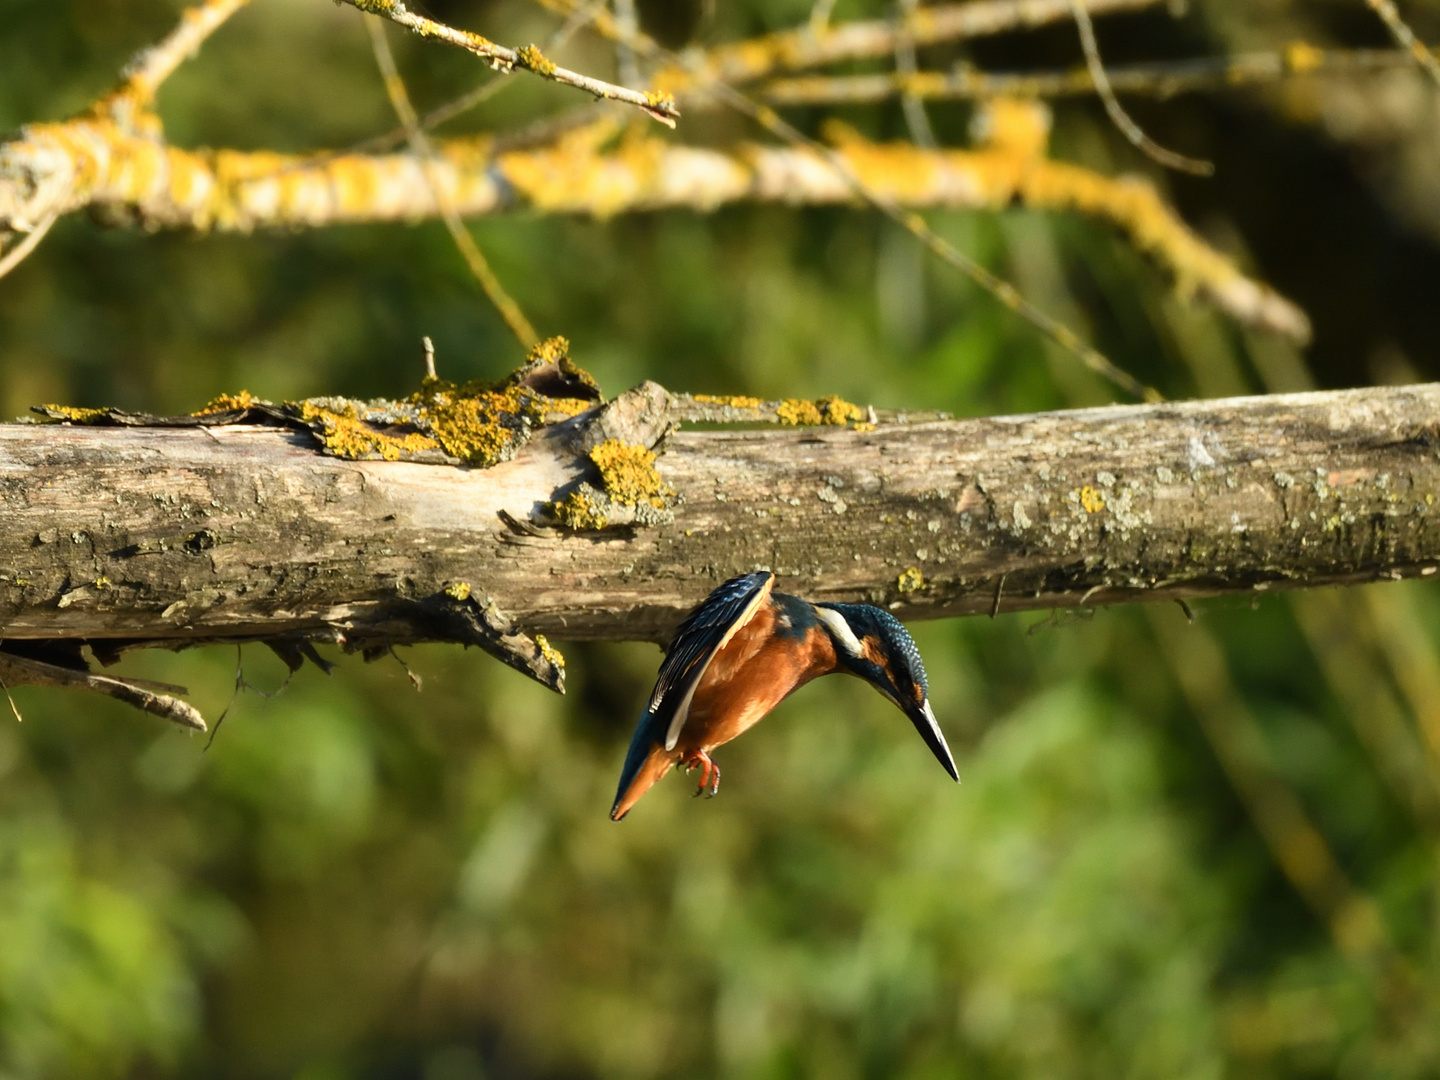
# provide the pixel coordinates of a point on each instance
(743, 651)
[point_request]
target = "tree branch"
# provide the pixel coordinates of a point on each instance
(1405, 37)
(660, 106)
(1161, 79)
(817, 44)
(152, 66)
(170, 537)
(92, 161)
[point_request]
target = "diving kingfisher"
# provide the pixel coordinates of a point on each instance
(742, 652)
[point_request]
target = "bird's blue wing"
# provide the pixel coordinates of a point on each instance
(697, 640)
(700, 635)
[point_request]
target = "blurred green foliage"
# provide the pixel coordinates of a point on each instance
(358, 882)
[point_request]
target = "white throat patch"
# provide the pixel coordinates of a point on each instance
(840, 630)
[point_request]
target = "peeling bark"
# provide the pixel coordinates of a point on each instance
(129, 537)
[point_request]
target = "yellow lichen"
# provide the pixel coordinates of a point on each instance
(912, 580)
(837, 411)
(228, 403)
(1013, 125)
(552, 654)
(1302, 57)
(485, 427)
(74, 413)
(660, 100)
(572, 176)
(629, 475)
(458, 590)
(529, 56)
(729, 401)
(561, 408)
(552, 350)
(579, 511)
(345, 435)
(1091, 500)
(798, 413)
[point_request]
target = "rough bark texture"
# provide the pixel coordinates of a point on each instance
(124, 536)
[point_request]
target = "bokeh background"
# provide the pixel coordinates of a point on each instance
(1179, 850)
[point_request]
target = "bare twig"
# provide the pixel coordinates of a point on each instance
(152, 66)
(1158, 80)
(1118, 116)
(472, 98)
(805, 47)
(1297, 845)
(820, 11)
(16, 255)
(10, 700)
(420, 146)
(528, 58)
(913, 223)
(629, 25)
(1405, 37)
(918, 227)
(154, 698)
(1400, 635)
(905, 67)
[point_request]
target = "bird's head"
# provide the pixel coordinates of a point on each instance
(875, 645)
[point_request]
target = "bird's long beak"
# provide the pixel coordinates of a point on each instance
(924, 720)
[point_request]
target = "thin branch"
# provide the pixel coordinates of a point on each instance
(475, 97)
(528, 58)
(420, 146)
(1299, 848)
(152, 66)
(820, 12)
(1118, 116)
(913, 223)
(1159, 80)
(1405, 37)
(1399, 632)
(479, 95)
(628, 23)
(1344, 631)
(16, 255)
(913, 107)
(805, 47)
(918, 227)
(154, 698)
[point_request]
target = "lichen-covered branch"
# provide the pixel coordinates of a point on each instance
(1160, 80)
(154, 65)
(817, 44)
(1122, 120)
(659, 105)
(172, 536)
(1405, 37)
(94, 162)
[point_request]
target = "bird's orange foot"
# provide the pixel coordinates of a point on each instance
(709, 774)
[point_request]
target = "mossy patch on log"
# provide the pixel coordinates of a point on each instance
(631, 491)
(73, 413)
(474, 423)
